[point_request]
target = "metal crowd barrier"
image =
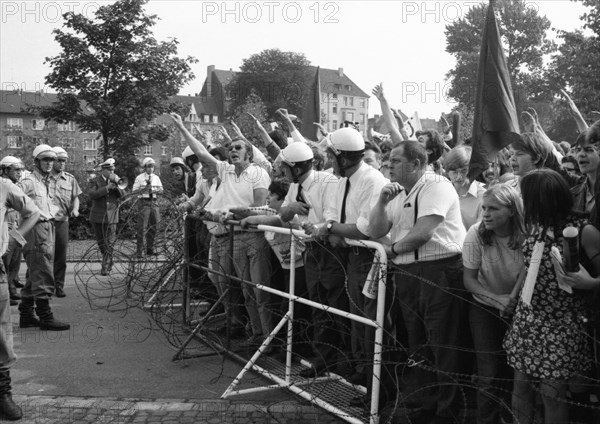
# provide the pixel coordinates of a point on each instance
(286, 382)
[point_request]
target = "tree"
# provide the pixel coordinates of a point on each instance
(280, 79)
(524, 36)
(574, 68)
(257, 108)
(113, 76)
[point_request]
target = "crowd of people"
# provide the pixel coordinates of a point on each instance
(475, 263)
(476, 275)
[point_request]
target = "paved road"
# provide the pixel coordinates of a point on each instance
(117, 368)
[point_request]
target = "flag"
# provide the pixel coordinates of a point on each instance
(312, 108)
(495, 124)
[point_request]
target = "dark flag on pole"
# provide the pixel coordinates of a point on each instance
(495, 124)
(312, 108)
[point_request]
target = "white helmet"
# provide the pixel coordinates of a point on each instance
(188, 152)
(296, 152)
(43, 151)
(148, 161)
(177, 161)
(10, 161)
(60, 152)
(345, 140)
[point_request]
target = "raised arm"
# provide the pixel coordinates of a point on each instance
(388, 117)
(197, 147)
(575, 113)
(294, 133)
(532, 124)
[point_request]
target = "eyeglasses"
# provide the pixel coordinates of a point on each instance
(456, 172)
(235, 147)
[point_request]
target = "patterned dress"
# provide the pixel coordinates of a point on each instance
(547, 339)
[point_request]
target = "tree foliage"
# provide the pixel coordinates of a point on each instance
(257, 108)
(524, 36)
(280, 79)
(113, 76)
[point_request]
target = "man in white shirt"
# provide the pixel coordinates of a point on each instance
(150, 186)
(422, 210)
(243, 184)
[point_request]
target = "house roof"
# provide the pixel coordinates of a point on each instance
(202, 104)
(331, 77)
(330, 81)
(13, 101)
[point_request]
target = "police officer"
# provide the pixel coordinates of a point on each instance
(104, 213)
(11, 196)
(150, 186)
(39, 250)
(11, 167)
(66, 197)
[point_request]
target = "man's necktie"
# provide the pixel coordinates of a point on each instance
(299, 197)
(343, 214)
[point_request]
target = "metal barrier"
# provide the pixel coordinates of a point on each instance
(286, 382)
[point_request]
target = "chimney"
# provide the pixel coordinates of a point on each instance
(209, 72)
(340, 72)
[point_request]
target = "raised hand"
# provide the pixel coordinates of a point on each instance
(389, 192)
(177, 119)
(378, 92)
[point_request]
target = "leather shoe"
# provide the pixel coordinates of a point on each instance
(59, 292)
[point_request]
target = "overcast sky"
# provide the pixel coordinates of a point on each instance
(399, 43)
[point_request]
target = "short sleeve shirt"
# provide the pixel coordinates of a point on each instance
(12, 197)
(498, 264)
(65, 190)
(435, 196)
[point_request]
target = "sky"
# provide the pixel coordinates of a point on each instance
(398, 43)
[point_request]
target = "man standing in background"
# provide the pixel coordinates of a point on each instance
(66, 198)
(149, 217)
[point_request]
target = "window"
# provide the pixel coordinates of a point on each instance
(334, 95)
(215, 119)
(40, 140)
(37, 124)
(90, 160)
(335, 125)
(14, 122)
(148, 149)
(163, 150)
(206, 118)
(90, 144)
(350, 116)
(345, 100)
(66, 143)
(334, 109)
(351, 101)
(362, 119)
(349, 87)
(362, 103)
(68, 126)
(192, 117)
(15, 142)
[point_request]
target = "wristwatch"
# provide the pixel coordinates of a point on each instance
(329, 226)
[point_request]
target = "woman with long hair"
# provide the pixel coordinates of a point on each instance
(547, 343)
(493, 262)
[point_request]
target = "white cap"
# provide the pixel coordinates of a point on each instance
(296, 152)
(108, 163)
(345, 140)
(148, 161)
(60, 152)
(8, 161)
(43, 151)
(177, 161)
(188, 152)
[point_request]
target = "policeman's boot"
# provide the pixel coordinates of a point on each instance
(27, 318)
(9, 410)
(14, 296)
(47, 320)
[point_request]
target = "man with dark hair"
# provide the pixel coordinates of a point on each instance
(372, 155)
(422, 211)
